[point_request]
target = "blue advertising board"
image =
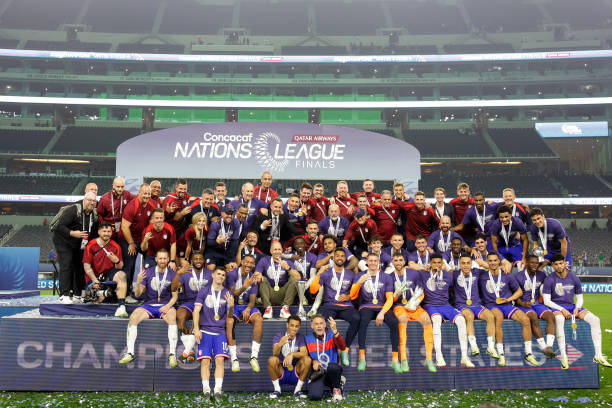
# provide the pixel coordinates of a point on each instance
(18, 268)
(81, 354)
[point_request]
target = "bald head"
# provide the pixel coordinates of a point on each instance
(91, 187)
(118, 186)
(144, 193)
(155, 188)
(445, 223)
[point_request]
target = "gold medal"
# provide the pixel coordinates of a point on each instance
(276, 288)
(468, 302)
(240, 301)
(159, 299)
(374, 301)
(290, 367)
(574, 326)
(404, 301)
(217, 317)
(545, 252)
(498, 300)
(532, 301)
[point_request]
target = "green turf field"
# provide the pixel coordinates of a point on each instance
(598, 304)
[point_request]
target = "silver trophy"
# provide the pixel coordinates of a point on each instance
(301, 286)
(539, 252)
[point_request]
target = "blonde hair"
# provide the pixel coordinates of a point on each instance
(194, 223)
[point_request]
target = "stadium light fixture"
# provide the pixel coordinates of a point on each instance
(63, 161)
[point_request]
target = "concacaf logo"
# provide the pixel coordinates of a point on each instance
(262, 152)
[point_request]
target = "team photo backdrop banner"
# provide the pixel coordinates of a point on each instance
(288, 150)
(19, 268)
(81, 354)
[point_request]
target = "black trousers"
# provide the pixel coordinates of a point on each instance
(348, 314)
(368, 314)
(71, 273)
(129, 261)
(331, 379)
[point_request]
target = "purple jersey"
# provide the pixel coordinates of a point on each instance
(371, 287)
(234, 279)
(221, 228)
(206, 298)
(562, 290)
(420, 259)
(527, 286)
(306, 265)
(391, 251)
(153, 289)
(475, 220)
(410, 279)
(346, 252)
(254, 205)
(273, 271)
(192, 282)
(441, 243)
(516, 211)
(292, 346)
(336, 228)
(515, 226)
(553, 233)
(329, 280)
(462, 287)
(507, 287)
(436, 287)
(384, 260)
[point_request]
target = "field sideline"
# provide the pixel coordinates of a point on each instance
(597, 303)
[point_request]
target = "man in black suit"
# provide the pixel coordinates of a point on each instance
(274, 225)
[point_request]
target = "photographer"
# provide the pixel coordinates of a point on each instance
(102, 262)
(323, 346)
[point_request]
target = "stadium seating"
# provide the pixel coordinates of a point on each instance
(515, 142)
(449, 142)
(93, 140)
(192, 17)
(529, 185)
(340, 18)
(22, 140)
(502, 16)
(36, 15)
(34, 236)
(119, 16)
(60, 185)
(586, 14)
(265, 18)
(584, 186)
(593, 242)
(417, 18)
(4, 229)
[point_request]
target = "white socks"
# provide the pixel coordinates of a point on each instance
(472, 341)
(232, 352)
(500, 348)
(205, 386)
(132, 333)
(593, 321)
(255, 349)
(528, 349)
(188, 341)
(298, 386)
(276, 384)
(541, 343)
(550, 340)
(172, 337)
(490, 342)
(436, 321)
(460, 323)
(218, 384)
(560, 330)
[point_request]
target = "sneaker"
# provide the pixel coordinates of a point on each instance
(344, 358)
(191, 357)
(130, 300)
(404, 366)
(431, 366)
(284, 312)
(217, 397)
(235, 366)
(302, 315)
(549, 353)
(183, 358)
(342, 382)
(207, 395)
(254, 364)
(531, 359)
(502, 360)
(77, 299)
(492, 352)
(172, 360)
(440, 361)
(475, 351)
(121, 312)
(602, 361)
(127, 358)
(66, 300)
(275, 395)
(336, 394)
(268, 313)
(311, 312)
(396, 367)
(466, 362)
(300, 394)
(361, 366)
(564, 363)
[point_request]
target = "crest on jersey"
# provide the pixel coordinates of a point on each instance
(424, 212)
(148, 213)
(368, 286)
(431, 284)
(193, 283)
(210, 302)
(165, 236)
(262, 146)
(155, 283)
(559, 289)
(286, 349)
(335, 283)
(490, 286)
(461, 281)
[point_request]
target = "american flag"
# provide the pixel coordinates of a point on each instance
(573, 354)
